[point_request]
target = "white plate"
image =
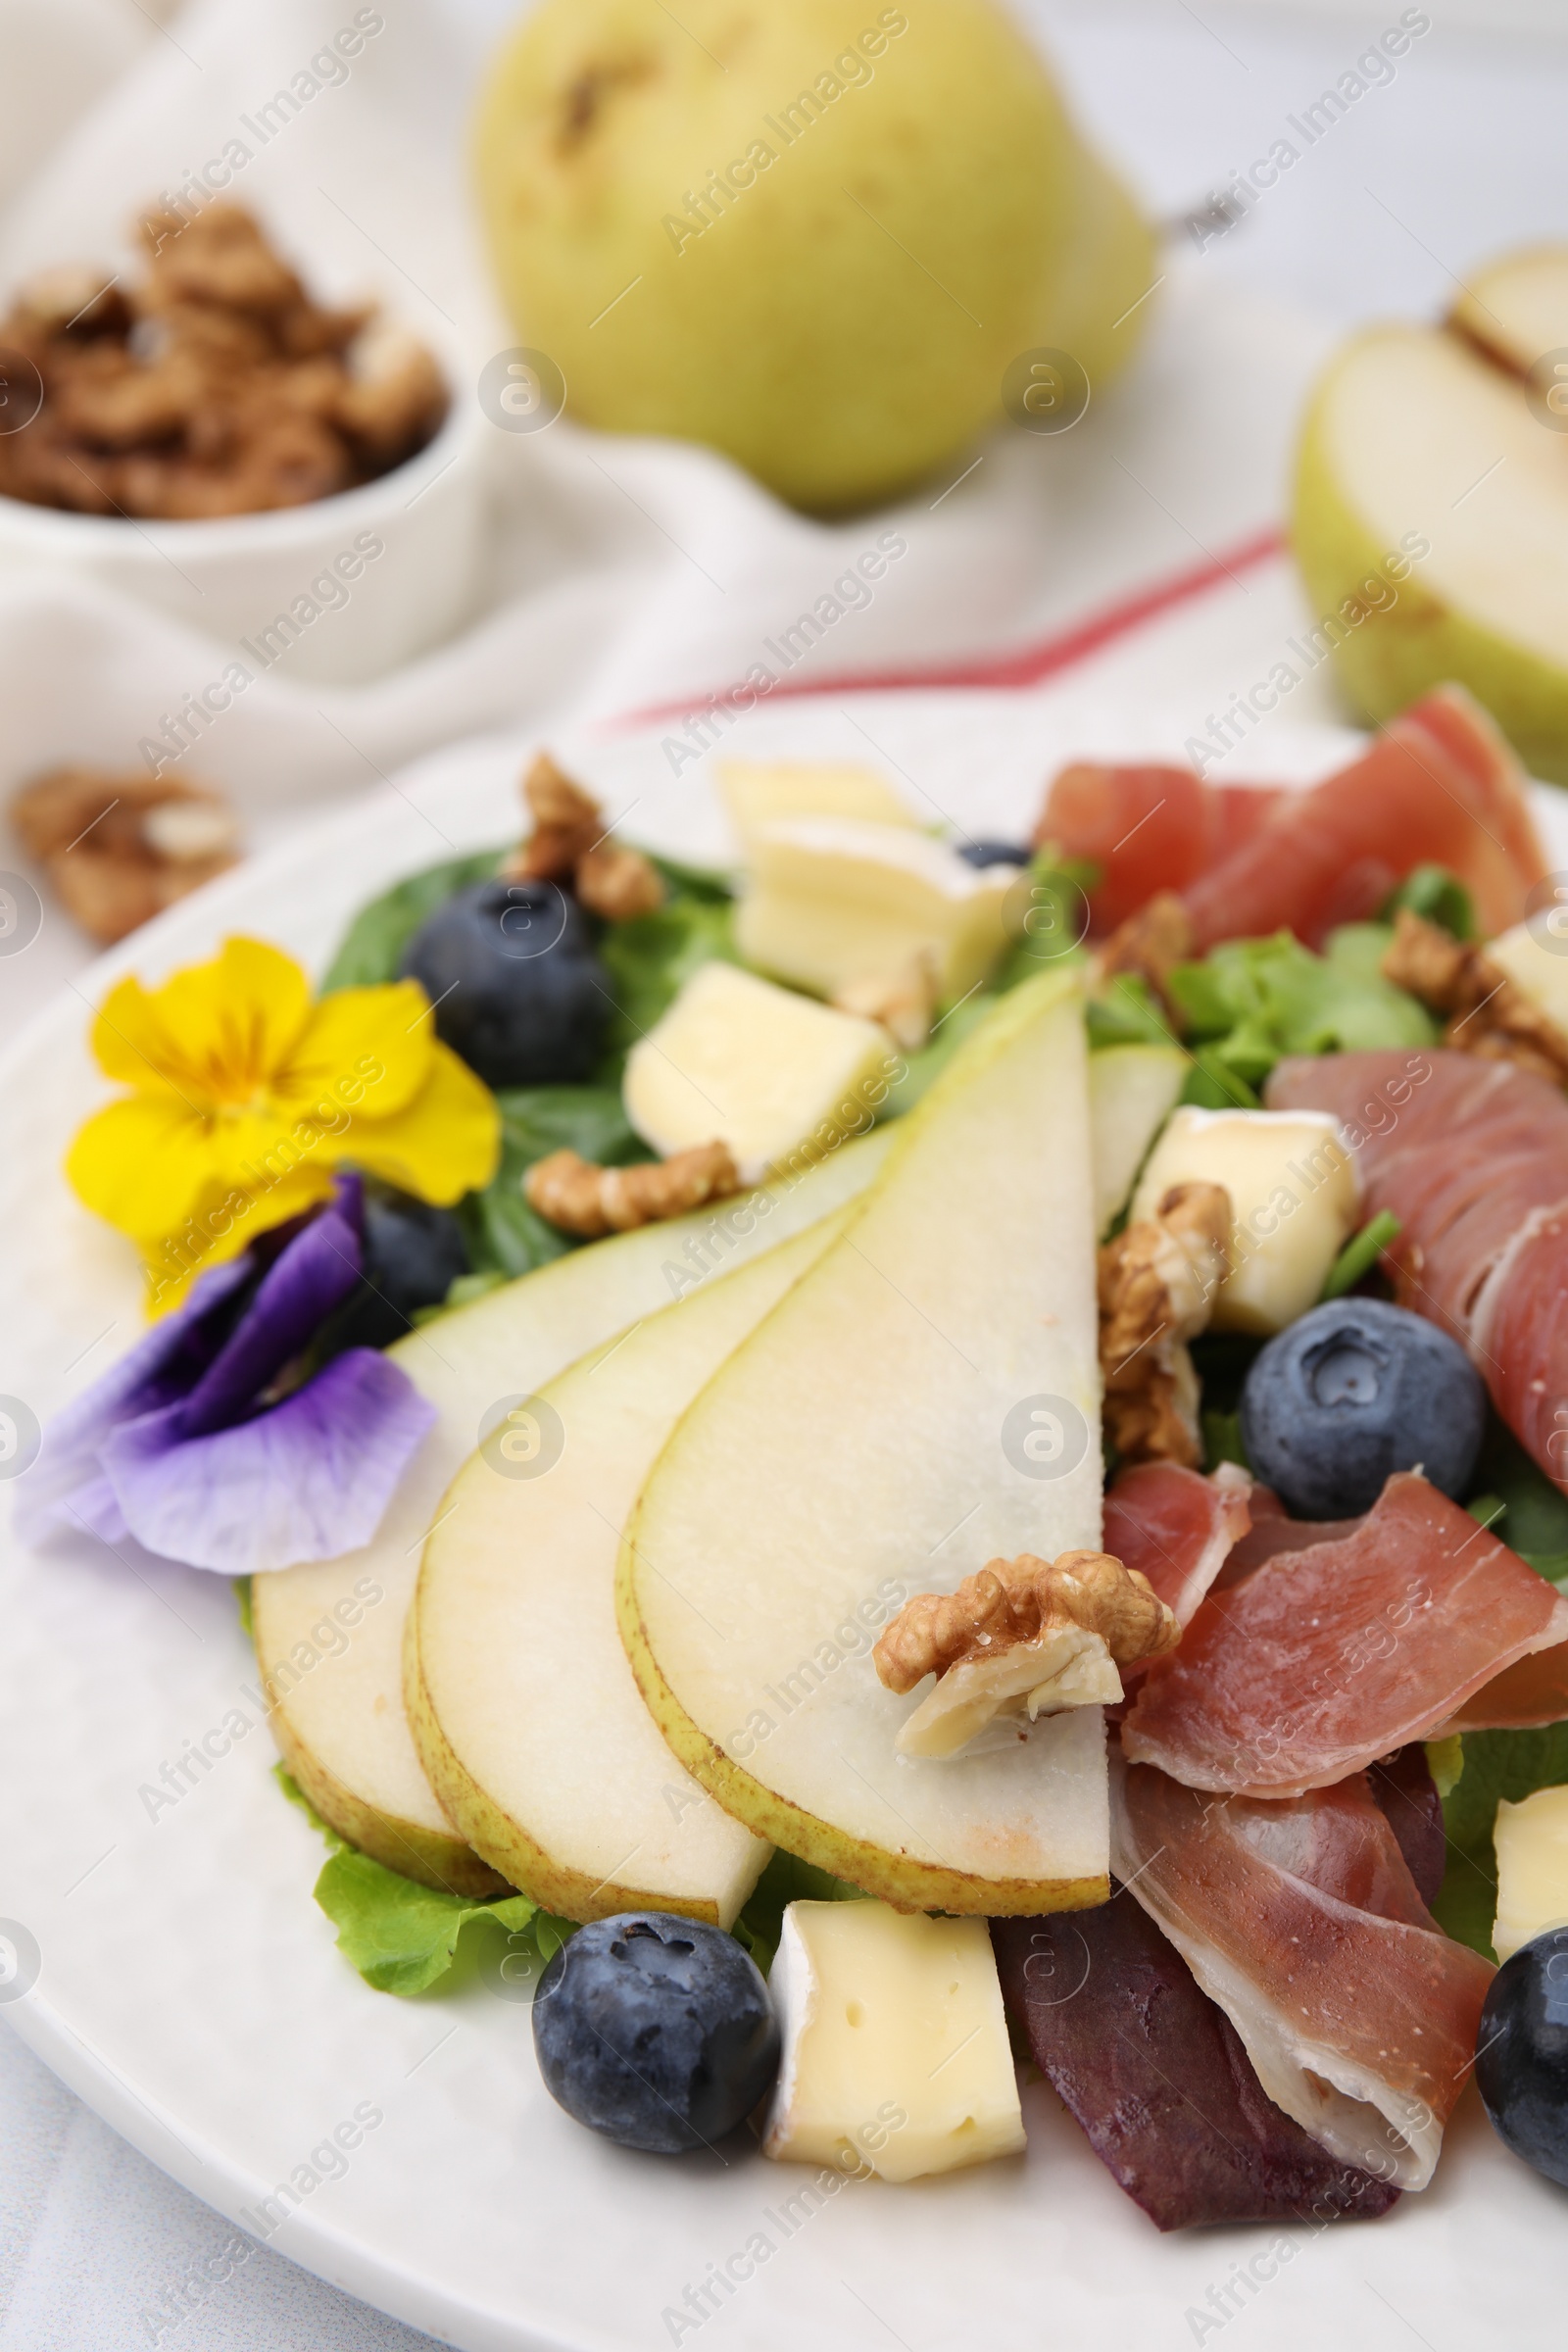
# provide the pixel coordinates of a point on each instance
(189, 1989)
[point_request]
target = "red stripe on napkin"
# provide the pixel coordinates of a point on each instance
(1030, 664)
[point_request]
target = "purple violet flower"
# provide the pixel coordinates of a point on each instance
(186, 1446)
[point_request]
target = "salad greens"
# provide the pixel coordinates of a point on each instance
(372, 947)
(650, 959)
(1361, 1254)
(786, 1880)
(402, 1936)
(1251, 1001)
(1498, 1765)
(503, 1235)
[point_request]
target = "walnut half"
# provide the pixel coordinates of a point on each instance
(1019, 1639)
(1486, 1013)
(580, 1196)
(1157, 1282)
(568, 845)
(118, 849)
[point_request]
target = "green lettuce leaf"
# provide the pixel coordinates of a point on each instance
(1441, 897)
(503, 1235)
(401, 1936)
(650, 959)
(786, 1880)
(373, 946)
(1253, 1000)
(1527, 1512)
(1496, 1765)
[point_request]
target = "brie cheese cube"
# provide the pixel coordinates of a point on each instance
(834, 900)
(896, 2056)
(756, 791)
(1536, 960)
(1532, 1843)
(1294, 1199)
(738, 1062)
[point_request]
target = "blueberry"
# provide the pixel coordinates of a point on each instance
(518, 989)
(1522, 2054)
(655, 2030)
(413, 1255)
(994, 853)
(1353, 1391)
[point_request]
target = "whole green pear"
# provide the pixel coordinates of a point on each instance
(813, 235)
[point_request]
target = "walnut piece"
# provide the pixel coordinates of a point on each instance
(1150, 944)
(1487, 1014)
(1019, 1639)
(118, 849)
(617, 884)
(903, 1001)
(567, 843)
(216, 386)
(580, 1196)
(1157, 1281)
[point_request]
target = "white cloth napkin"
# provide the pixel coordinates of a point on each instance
(624, 574)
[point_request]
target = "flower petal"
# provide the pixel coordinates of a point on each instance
(224, 1224)
(149, 1377)
(445, 1144)
(143, 1162)
(307, 1481)
(235, 1020)
(313, 1272)
(369, 1046)
(130, 1043)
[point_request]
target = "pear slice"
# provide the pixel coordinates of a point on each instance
(1516, 307)
(926, 1397)
(522, 1705)
(329, 1635)
(1132, 1091)
(1431, 526)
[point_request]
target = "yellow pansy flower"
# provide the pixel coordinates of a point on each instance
(247, 1093)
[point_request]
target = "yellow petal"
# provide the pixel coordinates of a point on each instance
(142, 1162)
(224, 1222)
(366, 1046)
(445, 1144)
(216, 1032)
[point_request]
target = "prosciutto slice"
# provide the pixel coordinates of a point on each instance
(1472, 1157)
(1522, 1698)
(1156, 2073)
(1176, 1526)
(1439, 785)
(1145, 828)
(1328, 1657)
(1302, 1920)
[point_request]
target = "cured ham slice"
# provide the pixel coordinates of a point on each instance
(1156, 2073)
(1327, 1658)
(1272, 1531)
(1438, 785)
(1145, 828)
(1522, 1698)
(1177, 1527)
(1302, 1920)
(1472, 1157)
(1403, 1788)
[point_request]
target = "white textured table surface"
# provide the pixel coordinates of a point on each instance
(1461, 152)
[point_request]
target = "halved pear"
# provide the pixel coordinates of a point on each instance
(523, 1704)
(1132, 1091)
(927, 1397)
(1414, 441)
(329, 1635)
(1516, 307)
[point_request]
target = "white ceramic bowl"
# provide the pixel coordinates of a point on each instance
(251, 581)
